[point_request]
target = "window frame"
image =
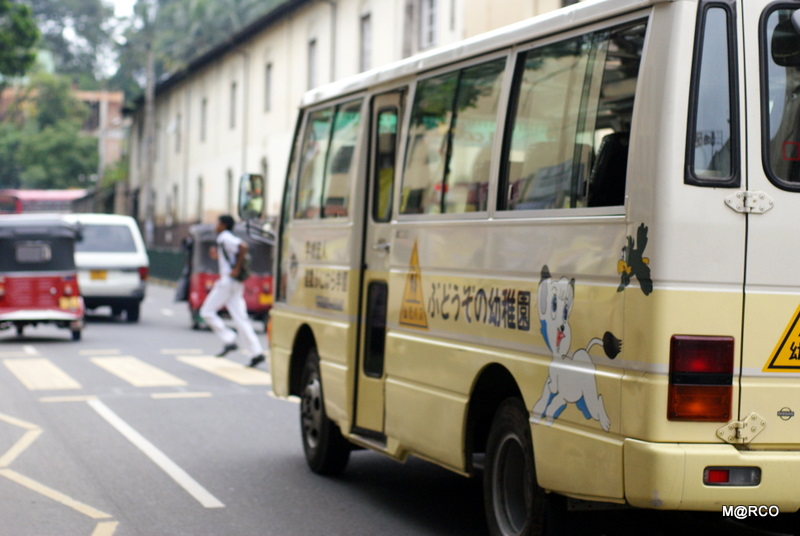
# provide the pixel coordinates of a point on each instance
(764, 87)
(295, 168)
(631, 19)
(405, 126)
(734, 179)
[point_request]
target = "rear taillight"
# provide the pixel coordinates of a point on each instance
(143, 273)
(700, 378)
(2, 287)
(68, 288)
(266, 288)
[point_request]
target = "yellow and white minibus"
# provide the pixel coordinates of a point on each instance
(562, 255)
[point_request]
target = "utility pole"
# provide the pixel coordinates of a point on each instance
(147, 11)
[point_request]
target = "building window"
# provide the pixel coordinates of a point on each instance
(233, 105)
(178, 133)
(427, 23)
(268, 88)
(365, 53)
(312, 64)
(203, 118)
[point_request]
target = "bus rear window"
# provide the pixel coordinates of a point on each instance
(781, 68)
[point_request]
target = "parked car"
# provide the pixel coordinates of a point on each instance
(112, 263)
(38, 279)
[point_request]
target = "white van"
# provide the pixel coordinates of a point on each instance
(112, 263)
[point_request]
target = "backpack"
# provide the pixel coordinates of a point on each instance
(244, 271)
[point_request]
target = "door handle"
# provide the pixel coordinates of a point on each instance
(381, 246)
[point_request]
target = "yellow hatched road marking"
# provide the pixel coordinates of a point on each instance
(40, 374)
(50, 493)
(137, 372)
(99, 351)
(181, 351)
(105, 528)
(228, 369)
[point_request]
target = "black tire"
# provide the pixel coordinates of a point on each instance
(327, 452)
(515, 504)
(76, 334)
(20, 329)
(132, 312)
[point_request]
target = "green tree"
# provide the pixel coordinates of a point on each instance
(43, 147)
(78, 34)
(18, 35)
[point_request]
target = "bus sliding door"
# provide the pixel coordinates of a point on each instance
(386, 112)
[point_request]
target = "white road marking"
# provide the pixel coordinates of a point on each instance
(30, 350)
(167, 312)
(180, 395)
(181, 351)
(100, 351)
(137, 372)
(84, 398)
(229, 370)
(40, 374)
(159, 458)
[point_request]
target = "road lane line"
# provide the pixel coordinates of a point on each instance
(181, 351)
(229, 370)
(180, 395)
(19, 447)
(99, 351)
(83, 398)
(50, 493)
(137, 372)
(105, 528)
(159, 458)
(40, 374)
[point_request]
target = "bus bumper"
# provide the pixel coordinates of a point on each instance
(670, 476)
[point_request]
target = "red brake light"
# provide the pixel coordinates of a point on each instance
(143, 273)
(700, 378)
(717, 476)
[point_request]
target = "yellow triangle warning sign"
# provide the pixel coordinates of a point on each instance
(412, 310)
(786, 355)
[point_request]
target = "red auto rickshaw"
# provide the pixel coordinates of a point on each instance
(38, 278)
(202, 270)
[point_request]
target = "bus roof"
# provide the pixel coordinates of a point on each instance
(575, 15)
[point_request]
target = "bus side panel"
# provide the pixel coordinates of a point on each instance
(465, 295)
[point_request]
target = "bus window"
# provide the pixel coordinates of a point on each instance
(427, 141)
(571, 116)
(782, 105)
(543, 140)
(711, 145)
(326, 159)
(450, 141)
(338, 176)
(312, 164)
(385, 158)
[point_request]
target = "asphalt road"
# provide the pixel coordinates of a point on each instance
(138, 430)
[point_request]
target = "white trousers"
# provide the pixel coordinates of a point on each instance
(229, 293)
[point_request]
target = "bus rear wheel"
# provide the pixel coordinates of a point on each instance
(514, 502)
(327, 452)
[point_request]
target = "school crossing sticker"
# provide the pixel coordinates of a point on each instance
(786, 355)
(412, 311)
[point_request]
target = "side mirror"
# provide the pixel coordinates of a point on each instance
(251, 197)
(786, 41)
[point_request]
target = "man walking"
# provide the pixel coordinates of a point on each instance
(229, 293)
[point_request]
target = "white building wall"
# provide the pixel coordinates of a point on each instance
(204, 173)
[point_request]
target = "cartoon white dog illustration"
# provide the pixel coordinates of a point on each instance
(571, 378)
